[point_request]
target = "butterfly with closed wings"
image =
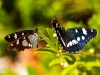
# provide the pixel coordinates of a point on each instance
(73, 39)
(23, 39)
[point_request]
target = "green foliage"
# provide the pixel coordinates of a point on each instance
(70, 59)
(31, 70)
(54, 47)
(9, 72)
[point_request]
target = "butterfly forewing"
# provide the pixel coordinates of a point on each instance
(73, 39)
(13, 36)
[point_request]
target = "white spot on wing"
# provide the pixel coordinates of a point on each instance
(91, 30)
(78, 38)
(24, 38)
(61, 37)
(63, 41)
(59, 34)
(83, 37)
(70, 43)
(15, 36)
(24, 43)
(57, 31)
(11, 44)
(22, 33)
(74, 41)
(17, 42)
(84, 31)
(8, 36)
(29, 44)
(14, 49)
(76, 30)
(56, 25)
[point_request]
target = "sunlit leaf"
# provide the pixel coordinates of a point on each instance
(70, 59)
(68, 70)
(31, 70)
(52, 41)
(54, 62)
(9, 72)
(44, 50)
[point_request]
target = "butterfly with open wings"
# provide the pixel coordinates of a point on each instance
(23, 39)
(73, 39)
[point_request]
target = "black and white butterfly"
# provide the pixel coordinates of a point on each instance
(73, 39)
(23, 39)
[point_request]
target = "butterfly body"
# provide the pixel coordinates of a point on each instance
(73, 39)
(22, 40)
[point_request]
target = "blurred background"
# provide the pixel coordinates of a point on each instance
(17, 15)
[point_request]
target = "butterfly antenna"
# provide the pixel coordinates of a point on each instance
(39, 21)
(69, 20)
(41, 17)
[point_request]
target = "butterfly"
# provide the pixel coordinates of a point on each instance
(73, 39)
(22, 39)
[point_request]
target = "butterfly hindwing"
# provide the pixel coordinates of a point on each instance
(78, 38)
(73, 39)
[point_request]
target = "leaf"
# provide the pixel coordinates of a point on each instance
(70, 70)
(44, 36)
(9, 72)
(54, 62)
(70, 59)
(47, 40)
(31, 70)
(52, 41)
(50, 32)
(46, 50)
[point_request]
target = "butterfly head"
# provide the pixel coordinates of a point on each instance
(36, 29)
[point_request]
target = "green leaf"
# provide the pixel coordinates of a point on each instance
(54, 62)
(50, 32)
(31, 70)
(52, 41)
(46, 50)
(9, 72)
(44, 36)
(69, 70)
(70, 59)
(47, 40)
